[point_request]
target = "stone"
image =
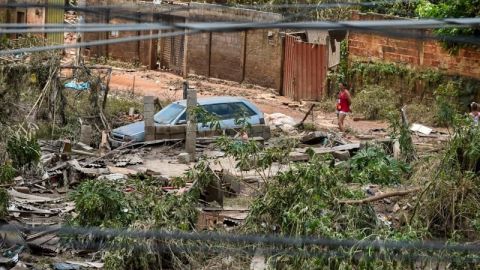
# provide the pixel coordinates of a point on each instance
(184, 158)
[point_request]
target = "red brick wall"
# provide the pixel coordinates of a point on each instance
(416, 53)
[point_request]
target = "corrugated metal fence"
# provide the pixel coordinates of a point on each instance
(305, 69)
(55, 15)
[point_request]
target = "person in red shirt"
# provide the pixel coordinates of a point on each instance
(343, 105)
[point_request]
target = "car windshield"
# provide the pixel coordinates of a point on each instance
(168, 114)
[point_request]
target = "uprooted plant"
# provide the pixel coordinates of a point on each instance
(373, 165)
(137, 204)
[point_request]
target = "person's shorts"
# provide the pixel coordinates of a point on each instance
(342, 112)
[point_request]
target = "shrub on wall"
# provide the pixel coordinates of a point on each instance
(374, 102)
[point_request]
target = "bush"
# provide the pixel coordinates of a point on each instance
(422, 113)
(99, 203)
(373, 166)
(23, 148)
(7, 173)
(3, 203)
(327, 104)
(374, 102)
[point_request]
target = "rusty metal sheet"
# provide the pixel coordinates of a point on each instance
(305, 69)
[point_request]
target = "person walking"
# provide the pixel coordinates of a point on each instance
(475, 112)
(343, 105)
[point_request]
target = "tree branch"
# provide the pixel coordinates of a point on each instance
(381, 196)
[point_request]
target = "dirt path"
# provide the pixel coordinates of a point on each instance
(168, 86)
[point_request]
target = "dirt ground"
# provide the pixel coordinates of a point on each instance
(169, 86)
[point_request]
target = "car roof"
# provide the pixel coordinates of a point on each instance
(214, 100)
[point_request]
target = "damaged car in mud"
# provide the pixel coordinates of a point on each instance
(227, 109)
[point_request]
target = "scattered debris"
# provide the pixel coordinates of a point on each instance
(420, 128)
(281, 121)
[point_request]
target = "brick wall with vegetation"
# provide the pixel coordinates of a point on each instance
(416, 53)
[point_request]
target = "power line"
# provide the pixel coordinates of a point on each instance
(81, 28)
(92, 43)
(260, 239)
(377, 27)
(232, 26)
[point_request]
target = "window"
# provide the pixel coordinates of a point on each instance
(168, 114)
(229, 110)
(241, 109)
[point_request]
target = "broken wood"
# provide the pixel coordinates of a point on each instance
(381, 196)
(306, 116)
(80, 152)
(28, 198)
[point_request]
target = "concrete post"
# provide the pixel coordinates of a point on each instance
(86, 134)
(191, 136)
(148, 112)
(185, 89)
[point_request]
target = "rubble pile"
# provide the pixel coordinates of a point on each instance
(280, 121)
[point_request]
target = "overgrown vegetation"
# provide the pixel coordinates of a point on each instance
(372, 165)
(375, 102)
(451, 9)
(7, 173)
(447, 206)
(23, 148)
(4, 199)
(137, 204)
(433, 98)
(398, 8)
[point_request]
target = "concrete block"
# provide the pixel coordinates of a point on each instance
(341, 155)
(148, 99)
(86, 134)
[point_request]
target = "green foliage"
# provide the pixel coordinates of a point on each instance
(249, 155)
(448, 206)
(7, 173)
(451, 9)
(176, 212)
(445, 97)
(375, 102)
(4, 198)
(423, 113)
(372, 165)
(327, 104)
(285, 209)
(432, 97)
(99, 203)
(206, 118)
(23, 148)
(118, 105)
(399, 8)
(400, 131)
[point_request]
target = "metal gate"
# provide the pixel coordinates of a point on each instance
(304, 70)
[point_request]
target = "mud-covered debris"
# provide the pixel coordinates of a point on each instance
(280, 121)
(421, 128)
(316, 137)
(113, 177)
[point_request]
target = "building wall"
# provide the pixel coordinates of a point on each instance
(253, 56)
(416, 53)
(246, 56)
(263, 64)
